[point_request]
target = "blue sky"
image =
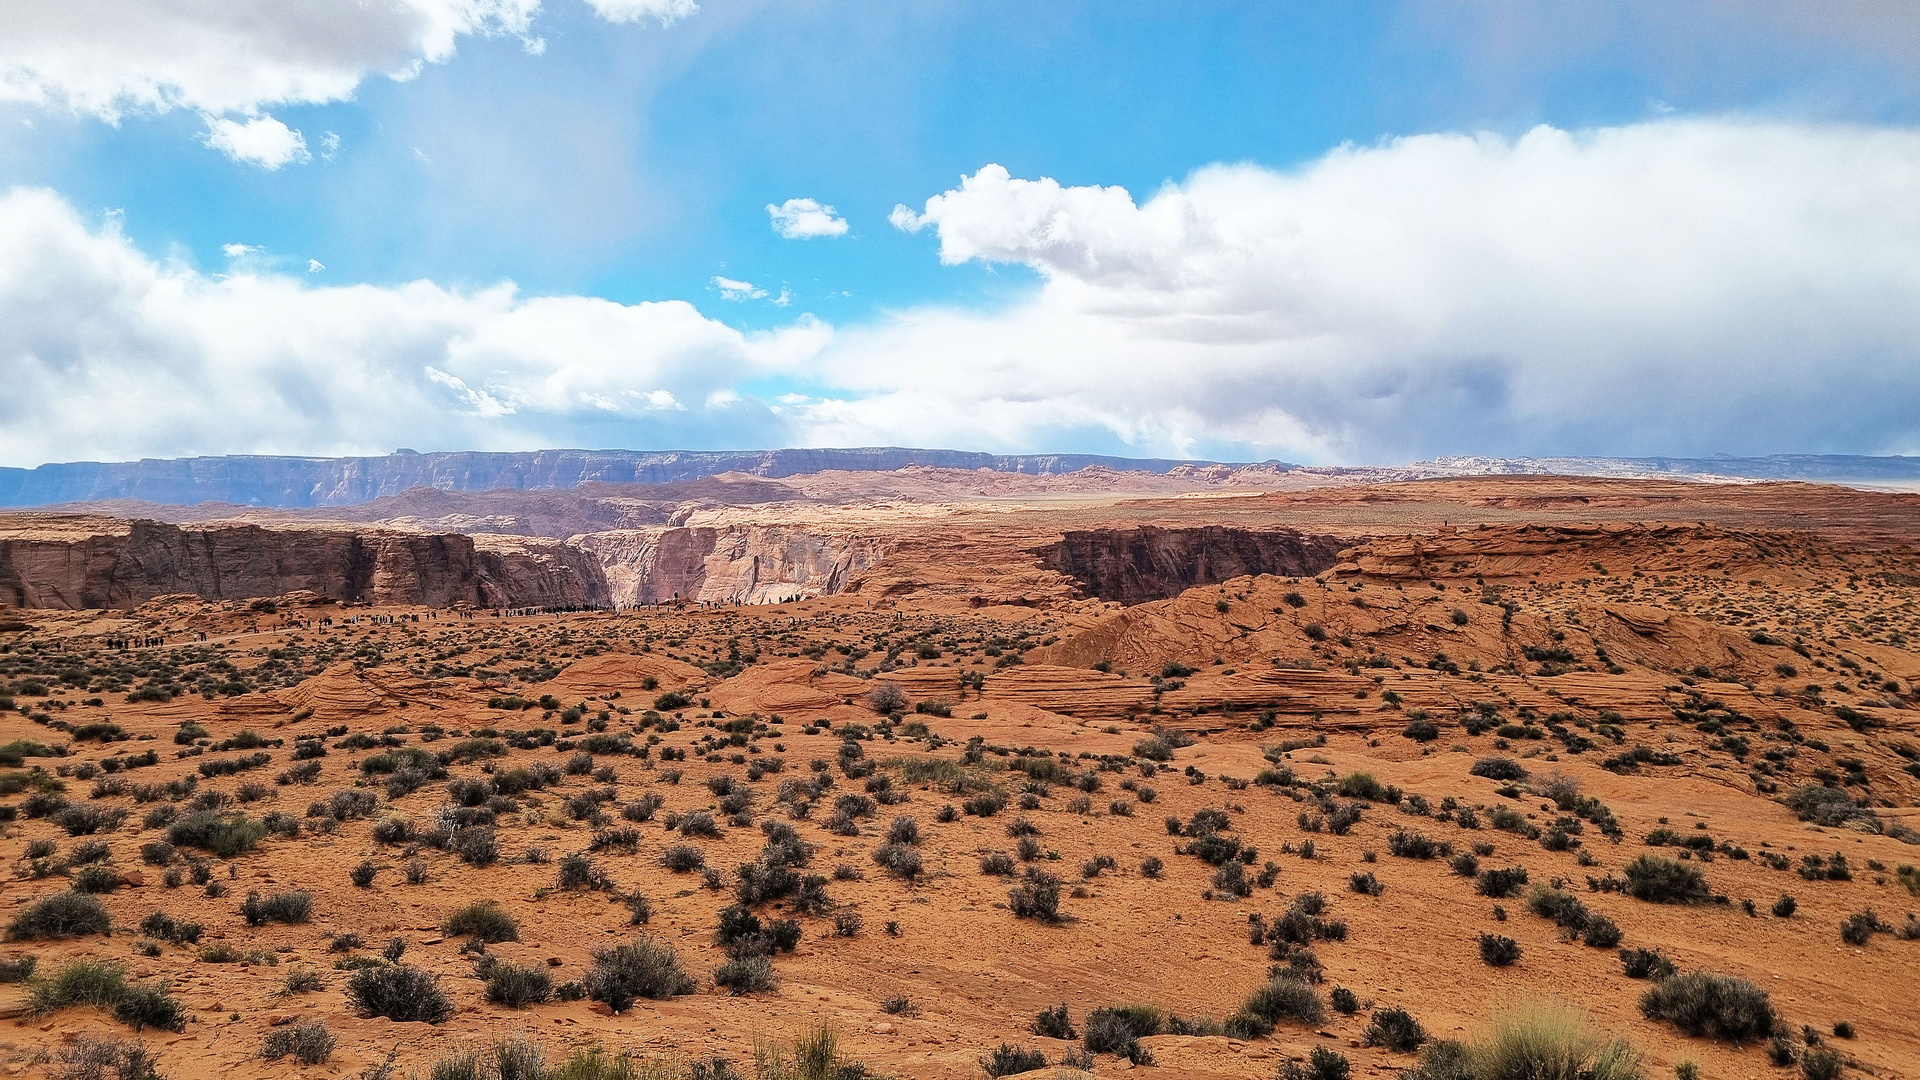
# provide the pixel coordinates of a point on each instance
(577, 157)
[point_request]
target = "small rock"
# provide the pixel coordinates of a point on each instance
(553, 961)
(883, 1029)
(279, 1019)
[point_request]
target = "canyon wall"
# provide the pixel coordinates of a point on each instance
(64, 562)
(288, 482)
(1148, 562)
(755, 564)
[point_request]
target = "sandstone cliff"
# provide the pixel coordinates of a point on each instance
(1133, 566)
(49, 561)
(748, 563)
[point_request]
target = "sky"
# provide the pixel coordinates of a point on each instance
(1319, 233)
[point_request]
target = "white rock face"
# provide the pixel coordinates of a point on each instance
(755, 564)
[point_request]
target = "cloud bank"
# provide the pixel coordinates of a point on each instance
(235, 58)
(111, 354)
(1686, 286)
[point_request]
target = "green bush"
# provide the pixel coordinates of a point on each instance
(227, 836)
(1395, 1029)
(1008, 1059)
(1661, 880)
(1286, 999)
(1118, 1029)
(309, 1043)
(82, 982)
(485, 922)
(287, 907)
(144, 1005)
(516, 986)
(60, 915)
(644, 969)
(399, 992)
(1714, 1006)
(1544, 1041)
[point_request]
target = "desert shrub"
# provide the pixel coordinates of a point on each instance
(162, 926)
(301, 980)
(1036, 897)
(1540, 1041)
(18, 971)
(286, 907)
(1286, 999)
(1665, 881)
(997, 862)
(85, 819)
(1785, 906)
(1859, 927)
(1500, 883)
(1499, 951)
(1365, 884)
(1701, 1003)
(745, 974)
(476, 845)
(1054, 1023)
(399, 992)
(1008, 1059)
(683, 858)
(1645, 964)
(82, 982)
(886, 697)
(1344, 1001)
(94, 879)
(578, 871)
(1496, 767)
(309, 1043)
(644, 969)
(227, 836)
(362, 873)
(1395, 1029)
(93, 1057)
(60, 915)
(149, 1005)
(1421, 730)
(1323, 1063)
(1600, 932)
(1119, 1029)
(516, 986)
(900, 860)
(485, 921)
(1821, 1063)
(1151, 866)
(1412, 845)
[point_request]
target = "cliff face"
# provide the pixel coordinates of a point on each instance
(103, 563)
(750, 563)
(1133, 566)
(289, 482)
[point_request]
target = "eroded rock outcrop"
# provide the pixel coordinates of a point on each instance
(1133, 566)
(747, 563)
(62, 561)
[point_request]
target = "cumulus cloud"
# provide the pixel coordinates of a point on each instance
(261, 141)
(627, 11)
(731, 289)
(805, 219)
(108, 57)
(111, 354)
(1675, 286)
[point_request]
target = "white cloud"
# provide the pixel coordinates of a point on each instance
(314, 266)
(805, 219)
(111, 354)
(785, 297)
(236, 251)
(738, 290)
(627, 11)
(108, 57)
(261, 141)
(1676, 286)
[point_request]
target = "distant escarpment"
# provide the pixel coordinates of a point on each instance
(58, 561)
(1148, 562)
(289, 482)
